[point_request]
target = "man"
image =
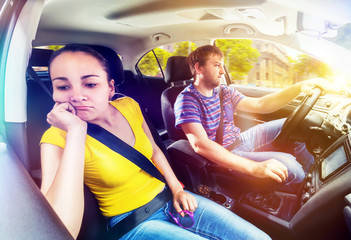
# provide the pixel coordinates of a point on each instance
(197, 111)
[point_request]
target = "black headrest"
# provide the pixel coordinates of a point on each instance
(115, 62)
(41, 57)
(177, 69)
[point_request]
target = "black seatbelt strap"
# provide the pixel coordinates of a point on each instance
(142, 213)
(219, 133)
(130, 153)
(36, 78)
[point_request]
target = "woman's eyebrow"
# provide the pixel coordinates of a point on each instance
(88, 76)
(60, 78)
(82, 78)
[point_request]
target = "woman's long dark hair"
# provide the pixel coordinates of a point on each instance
(85, 49)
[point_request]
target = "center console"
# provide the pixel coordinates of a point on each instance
(329, 164)
(319, 202)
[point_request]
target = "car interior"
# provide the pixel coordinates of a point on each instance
(124, 32)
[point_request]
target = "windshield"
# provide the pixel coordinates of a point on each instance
(341, 68)
(343, 37)
(268, 64)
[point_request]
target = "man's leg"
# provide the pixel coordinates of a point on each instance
(260, 138)
(295, 170)
(257, 145)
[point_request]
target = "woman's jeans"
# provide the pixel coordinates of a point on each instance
(257, 145)
(212, 221)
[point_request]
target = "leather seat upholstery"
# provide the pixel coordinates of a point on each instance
(178, 75)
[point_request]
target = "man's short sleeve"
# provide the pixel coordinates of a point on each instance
(236, 96)
(186, 110)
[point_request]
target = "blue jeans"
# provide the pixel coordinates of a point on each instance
(212, 221)
(257, 145)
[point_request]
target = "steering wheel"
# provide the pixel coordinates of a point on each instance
(296, 117)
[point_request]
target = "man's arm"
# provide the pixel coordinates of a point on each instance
(216, 153)
(274, 101)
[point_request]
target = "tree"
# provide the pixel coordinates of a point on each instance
(307, 67)
(55, 47)
(183, 48)
(239, 56)
(148, 64)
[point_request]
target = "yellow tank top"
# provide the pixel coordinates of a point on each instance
(118, 184)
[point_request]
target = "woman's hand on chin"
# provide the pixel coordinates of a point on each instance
(63, 116)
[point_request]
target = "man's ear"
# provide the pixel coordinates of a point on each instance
(198, 69)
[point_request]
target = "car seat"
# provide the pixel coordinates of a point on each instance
(40, 103)
(189, 167)
(193, 170)
(178, 75)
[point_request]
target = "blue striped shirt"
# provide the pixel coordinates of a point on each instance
(192, 107)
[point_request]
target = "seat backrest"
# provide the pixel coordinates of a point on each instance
(178, 74)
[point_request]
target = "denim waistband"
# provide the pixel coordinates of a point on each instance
(125, 222)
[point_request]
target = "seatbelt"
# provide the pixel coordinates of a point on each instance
(219, 133)
(130, 153)
(119, 146)
(36, 78)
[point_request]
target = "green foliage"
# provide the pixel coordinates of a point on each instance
(55, 47)
(239, 56)
(148, 64)
(183, 48)
(307, 67)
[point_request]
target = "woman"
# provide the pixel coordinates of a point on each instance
(82, 93)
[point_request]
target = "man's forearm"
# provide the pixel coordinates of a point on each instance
(277, 100)
(221, 156)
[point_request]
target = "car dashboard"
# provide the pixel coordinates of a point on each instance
(316, 211)
(340, 117)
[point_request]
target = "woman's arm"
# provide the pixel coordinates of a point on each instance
(63, 169)
(181, 199)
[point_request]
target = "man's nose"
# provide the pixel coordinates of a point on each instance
(222, 70)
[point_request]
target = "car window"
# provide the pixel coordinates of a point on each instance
(266, 64)
(153, 64)
(249, 62)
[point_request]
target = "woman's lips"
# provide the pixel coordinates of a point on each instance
(82, 108)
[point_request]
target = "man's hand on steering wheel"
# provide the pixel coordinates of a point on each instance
(307, 86)
(314, 88)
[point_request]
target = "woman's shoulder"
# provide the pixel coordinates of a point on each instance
(123, 101)
(126, 105)
(54, 136)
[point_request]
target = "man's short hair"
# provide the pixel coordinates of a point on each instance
(201, 54)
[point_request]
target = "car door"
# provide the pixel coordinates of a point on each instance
(25, 213)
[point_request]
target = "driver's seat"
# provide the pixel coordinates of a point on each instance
(191, 168)
(178, 75)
